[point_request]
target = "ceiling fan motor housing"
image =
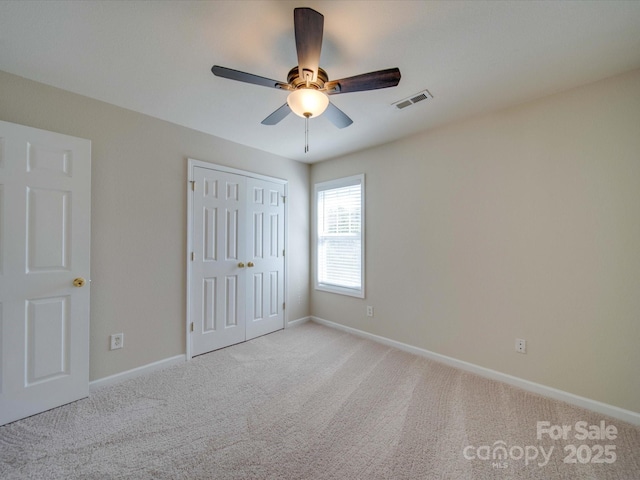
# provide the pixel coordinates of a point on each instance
(296, 81)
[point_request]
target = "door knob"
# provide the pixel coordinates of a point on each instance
(250, 264)
(79, 282)
(241, 265)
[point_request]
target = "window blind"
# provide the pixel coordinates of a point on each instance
(339, 235)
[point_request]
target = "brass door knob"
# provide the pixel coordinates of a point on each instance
(241, 265)
(250, 264)
(79, 282)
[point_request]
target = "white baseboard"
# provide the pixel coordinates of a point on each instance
(299, 321)
(136, 372)
(593, 405)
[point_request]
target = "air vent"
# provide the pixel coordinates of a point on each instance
(412, 100)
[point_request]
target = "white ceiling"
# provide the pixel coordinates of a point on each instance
(473, 56)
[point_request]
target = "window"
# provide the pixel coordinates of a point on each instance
(339, 236)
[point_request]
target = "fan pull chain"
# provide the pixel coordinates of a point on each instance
(306, 117)
(306, 132)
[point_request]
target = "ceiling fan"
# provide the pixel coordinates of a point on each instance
(308, 83)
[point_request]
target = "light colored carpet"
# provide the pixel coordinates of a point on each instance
(309, 402)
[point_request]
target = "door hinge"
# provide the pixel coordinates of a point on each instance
(284, 199)
(193, 256)
(193, 185)
(191, 327)
(283, 252)
(283, 305)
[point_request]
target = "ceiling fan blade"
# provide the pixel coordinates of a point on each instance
(278, 115)
(367, 81)
(337, 116)
(308, 26)
(231, 74)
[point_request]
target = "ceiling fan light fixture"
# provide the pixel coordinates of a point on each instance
(307, 102)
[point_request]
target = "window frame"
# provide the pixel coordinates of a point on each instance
(331, 185)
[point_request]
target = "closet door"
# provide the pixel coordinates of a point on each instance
(236, 286)
(265, 269)
(218, 290)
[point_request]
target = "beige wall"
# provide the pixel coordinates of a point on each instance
(524, 223)
(139, 190)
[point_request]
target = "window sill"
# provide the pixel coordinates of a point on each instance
(350, 292)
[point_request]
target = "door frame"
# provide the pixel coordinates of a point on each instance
(191, 164)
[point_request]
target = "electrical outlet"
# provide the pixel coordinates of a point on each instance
(521, 345)
(117, 341)
(369, 311)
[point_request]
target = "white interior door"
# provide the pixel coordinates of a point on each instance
(218, 262)
(236, 285)
(45, 208)
(265, 272)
